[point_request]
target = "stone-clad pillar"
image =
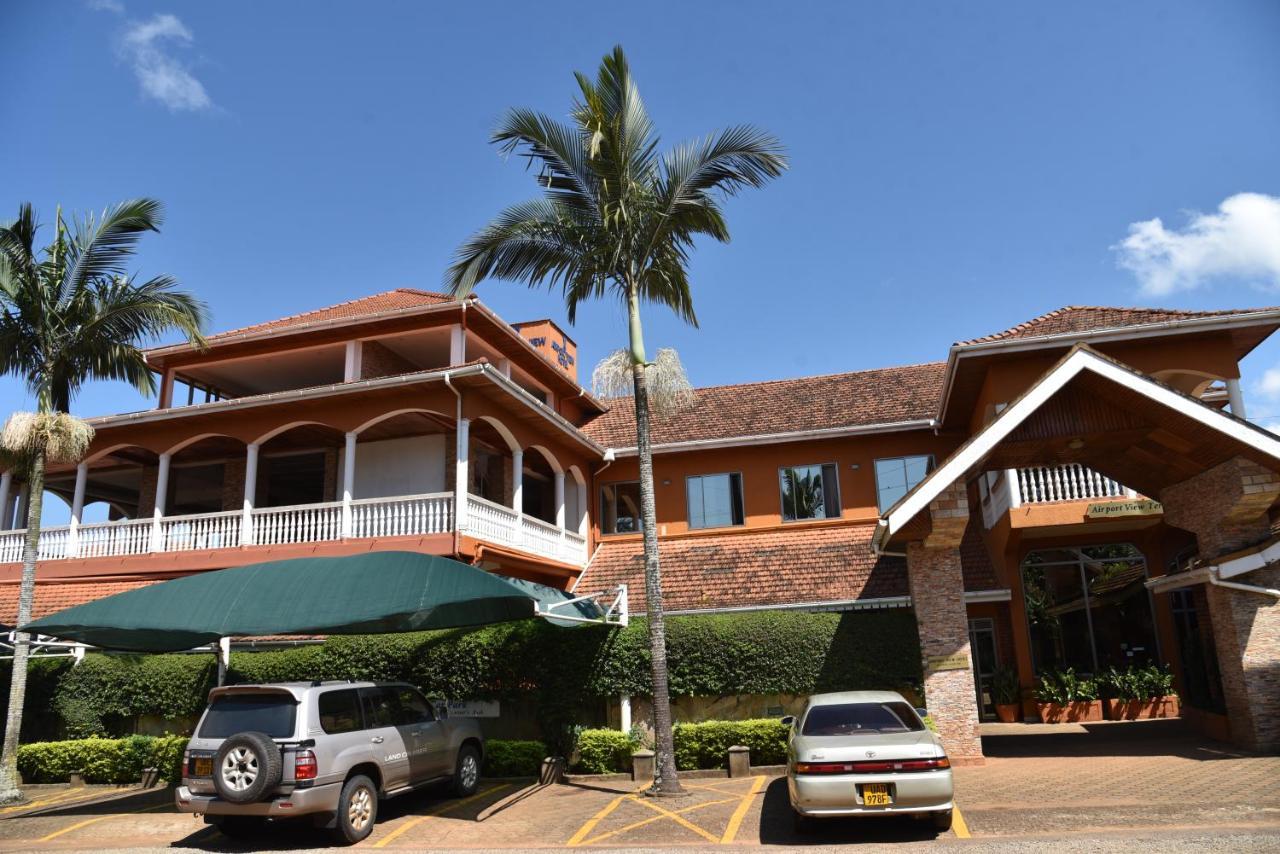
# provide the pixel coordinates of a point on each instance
(937, 597)
(1226, 508)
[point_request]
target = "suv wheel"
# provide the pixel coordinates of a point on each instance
(466, 774)
(246, 767)
(357, 809)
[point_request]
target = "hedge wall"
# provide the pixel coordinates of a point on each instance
(565, 670)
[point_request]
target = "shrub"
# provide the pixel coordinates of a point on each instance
(1136, 683)
(513, 758)
(1064, 686)
(706, 745)
(102, 760)
(1005, 687)
(604, 751)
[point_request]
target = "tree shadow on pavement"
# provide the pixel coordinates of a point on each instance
(777, 828)
(1159, 737)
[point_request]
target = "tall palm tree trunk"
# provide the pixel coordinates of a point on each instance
(9, 791)
(665, 779)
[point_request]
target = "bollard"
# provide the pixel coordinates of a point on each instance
(150, 777)
(552, 771)
(76, 778)
(739, 761)
(642, 765)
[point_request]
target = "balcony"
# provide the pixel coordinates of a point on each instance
(332, 521)
(1040, 485)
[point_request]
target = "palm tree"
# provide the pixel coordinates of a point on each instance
(73, 315)
(617, 218)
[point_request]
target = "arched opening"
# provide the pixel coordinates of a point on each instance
(575, 500)
(490, 467)
(400, 453)
(539, 491)
(298, 465)
(206, 475)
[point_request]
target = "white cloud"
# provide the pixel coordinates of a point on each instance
(1269, 385)
(1240, 241)
(160, 75)
(113, 6)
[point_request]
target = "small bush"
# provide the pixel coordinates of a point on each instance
(513, 758)
(102, 760)
(1064, 686)
(604, 751)
(706, 745)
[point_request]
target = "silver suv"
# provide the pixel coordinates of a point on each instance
(330, 750)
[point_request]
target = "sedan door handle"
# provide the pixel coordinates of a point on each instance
(377, 739)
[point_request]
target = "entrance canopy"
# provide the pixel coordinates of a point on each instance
(1092, 410)
(368, 593)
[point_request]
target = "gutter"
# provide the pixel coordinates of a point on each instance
(882, 602)
(1188, 325)
(1208, 574)
(779, 438)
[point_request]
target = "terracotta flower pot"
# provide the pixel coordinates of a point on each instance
(1008, 713)
(1133, 710)
(1080, 711)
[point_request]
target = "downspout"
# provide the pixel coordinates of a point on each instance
(457, 551)
(1216, 581)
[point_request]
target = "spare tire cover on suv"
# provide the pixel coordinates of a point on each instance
(246, 767)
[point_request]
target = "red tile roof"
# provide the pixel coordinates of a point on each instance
(881, 396)
(746, 568)
(400, 298)
(1095, 318)
(51, 598)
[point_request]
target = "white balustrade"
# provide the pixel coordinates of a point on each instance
(200, 531)
(122, 537)
(302, 523)
(11, 545)
(402, 516)
(1073, 482)
(493, 522)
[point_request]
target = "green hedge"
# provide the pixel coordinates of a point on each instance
(513, 758)
(563, 671)
(604, 751)
(706, 745)
(102, 760)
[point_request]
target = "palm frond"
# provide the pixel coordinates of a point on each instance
(101, 247)
(60, 437)
(668, 385)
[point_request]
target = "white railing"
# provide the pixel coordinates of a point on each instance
(200, 531)
(1074, 482)
(301, 523)
(398, 517)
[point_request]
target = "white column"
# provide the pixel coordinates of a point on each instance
(162, 489)
(1015, 488)
(560, 500)
(224, 659)
(6, 506)
(352, 365)
(457, 345)
(250, 492)
(77, 510)
(517, 481)
(1236, 398)
(348, 482)
(624, 709)
(461, 480)
(582, 509)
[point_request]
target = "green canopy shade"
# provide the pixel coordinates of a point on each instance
(369, 593)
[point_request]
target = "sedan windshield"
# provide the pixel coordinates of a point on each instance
(856, 718)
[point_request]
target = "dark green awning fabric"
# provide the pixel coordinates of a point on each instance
(360, 594)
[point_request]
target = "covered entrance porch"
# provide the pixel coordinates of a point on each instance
(1086, 602)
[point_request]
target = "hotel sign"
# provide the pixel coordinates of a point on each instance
(957, 661)
(1113, 509)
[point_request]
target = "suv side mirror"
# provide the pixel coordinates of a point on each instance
(789, 720)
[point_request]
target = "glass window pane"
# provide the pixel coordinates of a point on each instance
(802, 493)
(1056, 617)
(271, 713)
(897, 476)
(715, 500)
(831, 491)
(339, 711)
(620, 508)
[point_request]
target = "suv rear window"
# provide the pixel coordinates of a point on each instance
(340, 711)
(858, 718)
(272, 714)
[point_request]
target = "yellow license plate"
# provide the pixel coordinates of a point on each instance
(203, 766)
(876, 795)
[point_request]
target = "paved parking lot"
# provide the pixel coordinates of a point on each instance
(1140, 782)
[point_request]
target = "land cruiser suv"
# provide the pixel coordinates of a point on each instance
(330, 750)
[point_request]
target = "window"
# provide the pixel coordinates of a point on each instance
(620, 507)
(809, 492)
(340, 711)
(715, 500)
(271, 713)
(861, 718)
(413, 708)
(897, 476)
(381, 707)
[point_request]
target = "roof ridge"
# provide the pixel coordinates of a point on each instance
(302, 314)
(1030, 324)
(837, 374)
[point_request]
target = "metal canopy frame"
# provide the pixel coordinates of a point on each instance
(616, 614)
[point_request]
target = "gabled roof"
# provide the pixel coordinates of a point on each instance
(1096, 318)
(1082, 359)
(884, 396)
(393, 300)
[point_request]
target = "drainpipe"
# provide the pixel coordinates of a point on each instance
(1217, 581)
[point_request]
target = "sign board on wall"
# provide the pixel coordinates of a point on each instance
(473, 708)
(1112, 509)
(956, 661)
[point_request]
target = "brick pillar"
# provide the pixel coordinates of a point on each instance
(233, 484)
(450, 461)
(147, 492)
(937, 597)
(1226, 508)
(330, 475)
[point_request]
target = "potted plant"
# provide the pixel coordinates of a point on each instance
(1007, 695)
(1139, 692)
(1064, 697)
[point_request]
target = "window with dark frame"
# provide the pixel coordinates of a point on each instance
(620, 507)
(714, 500)
(809, 492)
(896, 476)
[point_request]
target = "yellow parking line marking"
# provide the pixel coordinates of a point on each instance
(652, 819)
(439, 810)
(681, 820)
(68, 796)
(735, 820)
(582, 832)
(96, 819)
(958, 823)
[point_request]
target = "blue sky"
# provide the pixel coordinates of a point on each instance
(956, 168)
